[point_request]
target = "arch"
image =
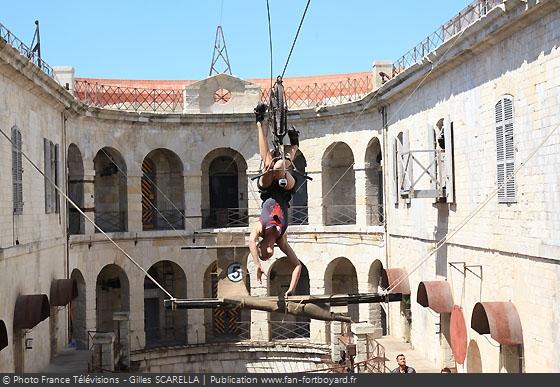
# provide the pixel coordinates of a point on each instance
(164, 327)
(224, 189)
(75, 165)
(287, 326)
(110, 190)
(339, 185)
(162, 191)
(78, 327)
(377, 313)
(341, 278)
(298, 211)
(374, 183)
(112, 294)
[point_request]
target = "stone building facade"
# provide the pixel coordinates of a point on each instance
(158, 181)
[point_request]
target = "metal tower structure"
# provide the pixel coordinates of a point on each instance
(220, 55)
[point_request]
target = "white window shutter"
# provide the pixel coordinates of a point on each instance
(449, 170)
(17, 172)
(432, 156)
(505, 150)
(407, 161)
(396, 172)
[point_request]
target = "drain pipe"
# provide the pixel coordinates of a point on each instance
(386, 193)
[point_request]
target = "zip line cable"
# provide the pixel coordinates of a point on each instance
(490, 196)
(269, 41)
(295, 39)
(88, 218)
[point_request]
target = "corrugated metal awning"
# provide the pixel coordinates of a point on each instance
(500, 319)
(30, 310)
(63, 291)
(3, 335)
(435, 295)
(390, 277)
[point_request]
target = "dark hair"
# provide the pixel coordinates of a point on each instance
(399, 355)
(445, 370)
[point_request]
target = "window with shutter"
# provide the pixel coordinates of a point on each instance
(47, 173)
(505, 150)
(57, 177)
(17, 172)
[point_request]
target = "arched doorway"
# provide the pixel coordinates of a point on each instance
(164, 327)
(223, 324)
(78, 328)
(112, 294)
(377, 313)
(110, 188)
(339, 185)
(299, 206)
(286, 326)
(224, 189)
(75, 189)
(341, 278)
(374, 183)
(162, 191)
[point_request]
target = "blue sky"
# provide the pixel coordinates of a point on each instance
(172, 39)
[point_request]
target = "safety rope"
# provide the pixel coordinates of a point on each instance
(87, 217)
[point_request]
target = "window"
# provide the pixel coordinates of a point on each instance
(17, 172)
(505, 150)
(51, 152)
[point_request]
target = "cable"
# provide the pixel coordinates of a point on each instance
(269, 41)
(493, 193)
(295, 39)
(88, 218)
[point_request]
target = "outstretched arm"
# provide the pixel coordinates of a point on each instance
(253, 238)
(292, 257)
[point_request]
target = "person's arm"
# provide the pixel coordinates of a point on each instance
(292, 257)
(253, 238)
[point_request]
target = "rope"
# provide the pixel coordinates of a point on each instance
(491, 195)
(295, 39)
(88, 218)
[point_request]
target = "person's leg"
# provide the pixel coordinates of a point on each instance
(264, 151)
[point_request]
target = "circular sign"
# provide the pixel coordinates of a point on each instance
(235, 272)
(458, 330)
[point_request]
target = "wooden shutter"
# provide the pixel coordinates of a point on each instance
(47, 173)
(406, 163)
(17, 172)
(396, 172)
(432, 157)
(505, 150)
(57, 177)
(449, 170)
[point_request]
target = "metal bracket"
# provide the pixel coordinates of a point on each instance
(466, 268)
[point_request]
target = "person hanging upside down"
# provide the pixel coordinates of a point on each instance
(276, 186)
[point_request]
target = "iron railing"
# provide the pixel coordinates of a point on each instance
(171, 100)
(224, 217)
(235, 331)
(169, 219)
(24, 50)
(129, 98)
(375, 215)
(339, 214)
(111, 221)
(166, 336)
(298, 215)
(458, 23)
(287, 330)
(326, 93)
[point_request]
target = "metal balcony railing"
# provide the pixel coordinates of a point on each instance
(339, 214)
(169, 219)
(111, 221)
(225, 217)
(24, 50)
(458, 23)
(286, 330)
(375, 215)
(298, 215)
